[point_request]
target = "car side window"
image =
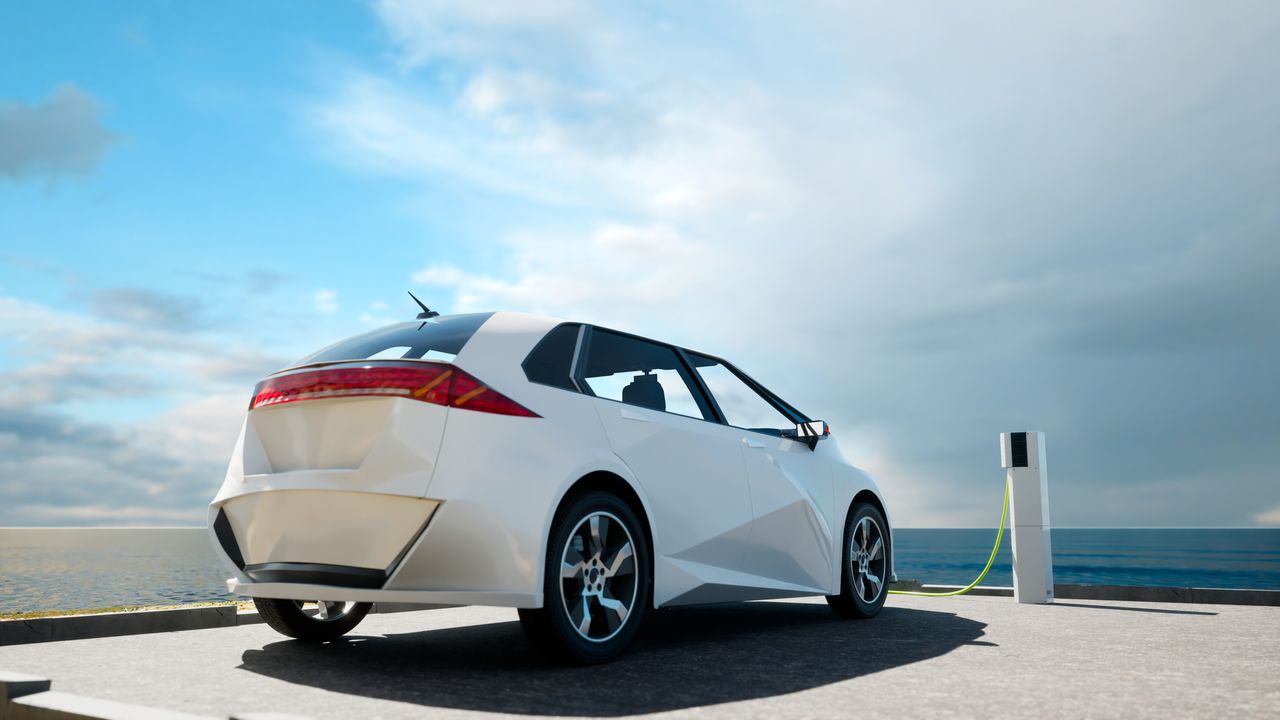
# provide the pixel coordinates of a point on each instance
(741, 405)
(640, 373)
(549, 363)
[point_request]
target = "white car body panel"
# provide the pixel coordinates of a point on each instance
(792, 539)
(732, 514)
(300, 525)
(694, 477)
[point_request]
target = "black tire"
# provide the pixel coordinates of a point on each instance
(862, 563)
(606, 574)
(287, 617)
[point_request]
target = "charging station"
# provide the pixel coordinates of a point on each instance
(1022, 453)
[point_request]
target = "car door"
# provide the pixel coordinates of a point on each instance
(690, 466)
(791, 544)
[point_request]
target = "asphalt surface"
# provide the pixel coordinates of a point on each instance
(947, 657)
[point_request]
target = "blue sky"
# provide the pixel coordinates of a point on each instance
(926, 225)
(212, 168)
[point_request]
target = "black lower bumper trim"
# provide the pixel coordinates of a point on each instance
(316, 574)
(227, 538)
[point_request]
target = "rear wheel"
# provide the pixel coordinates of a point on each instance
(865, 566)
(308, 621)
(596, 585)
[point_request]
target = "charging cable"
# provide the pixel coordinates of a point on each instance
(999, 534)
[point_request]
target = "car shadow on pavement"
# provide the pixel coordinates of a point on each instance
(684, 658)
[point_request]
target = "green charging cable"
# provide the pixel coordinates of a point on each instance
(991, 561)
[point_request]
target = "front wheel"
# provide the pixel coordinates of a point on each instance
(297, 618)
(596, 585)
(865, 564)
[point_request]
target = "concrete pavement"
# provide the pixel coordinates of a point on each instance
(947, 657)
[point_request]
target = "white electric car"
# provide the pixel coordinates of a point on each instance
(580, 474)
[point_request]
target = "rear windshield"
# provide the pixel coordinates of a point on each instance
(439, 338)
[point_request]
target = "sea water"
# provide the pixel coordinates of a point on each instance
(1173, 557)
(78, 568)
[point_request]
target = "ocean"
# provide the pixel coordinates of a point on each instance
(78, 568)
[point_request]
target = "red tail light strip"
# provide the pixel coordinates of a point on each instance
(434, 383)
(420, 392)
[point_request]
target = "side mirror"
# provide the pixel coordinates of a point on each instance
(811, 432)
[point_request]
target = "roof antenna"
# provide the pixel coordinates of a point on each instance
(426, 314)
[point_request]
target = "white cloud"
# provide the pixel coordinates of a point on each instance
(141, 307)
(326, 301)
(202, 428)
(525, 33)
(930, 227)
(1270, 517)
(617, 270)
(483, 95)
(39, 328)
(116, 418)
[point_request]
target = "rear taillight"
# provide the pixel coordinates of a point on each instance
(435, 383)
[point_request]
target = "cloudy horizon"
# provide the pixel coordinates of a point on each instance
(924, 226)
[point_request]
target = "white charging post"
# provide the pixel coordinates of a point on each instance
(1023, 454)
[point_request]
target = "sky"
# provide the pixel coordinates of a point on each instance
(926, 224)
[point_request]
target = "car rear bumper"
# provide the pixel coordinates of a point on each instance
(326, 544)
(332, 527)
(352, 546)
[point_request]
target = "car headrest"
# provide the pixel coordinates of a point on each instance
(645, 391)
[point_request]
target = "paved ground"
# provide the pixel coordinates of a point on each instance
(950, 657)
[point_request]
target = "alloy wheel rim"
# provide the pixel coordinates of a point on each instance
(325, 610)
(598, 576)
(868, 560)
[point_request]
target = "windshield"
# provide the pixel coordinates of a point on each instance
(439, 338)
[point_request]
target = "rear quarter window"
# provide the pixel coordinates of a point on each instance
(551, 361)
(440, 338)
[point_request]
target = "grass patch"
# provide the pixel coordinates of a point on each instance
(239, 604)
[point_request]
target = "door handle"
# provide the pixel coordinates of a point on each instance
(752, 443)
(630, 414)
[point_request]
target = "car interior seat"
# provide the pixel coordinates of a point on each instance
(645, 391)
